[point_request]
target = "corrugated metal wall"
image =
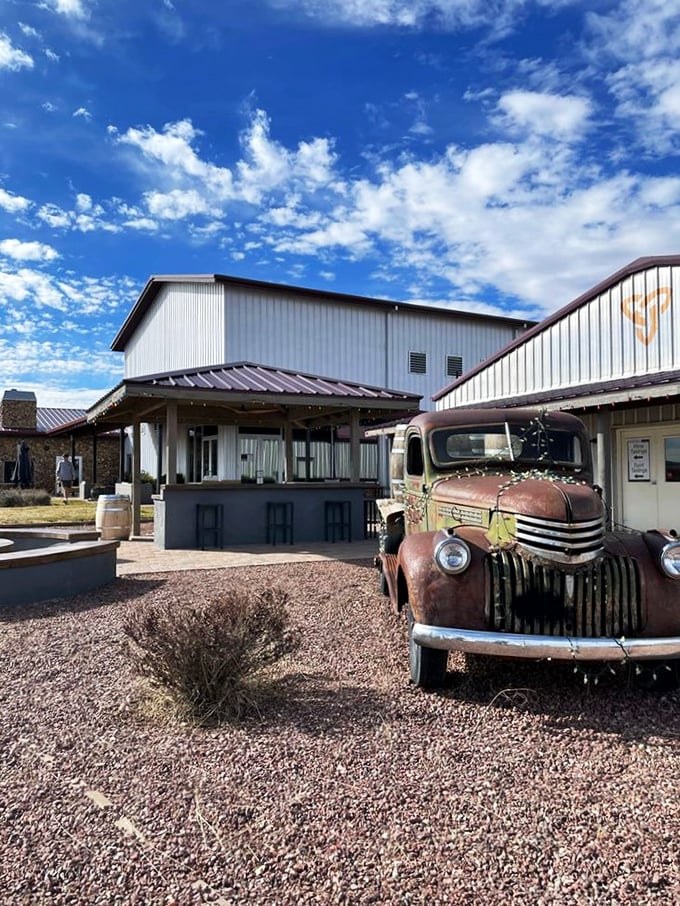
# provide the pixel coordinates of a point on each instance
(632, 328)
(184, 328)
(324, 338)
(354, 342)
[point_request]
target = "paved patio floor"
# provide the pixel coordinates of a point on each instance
(140, 555)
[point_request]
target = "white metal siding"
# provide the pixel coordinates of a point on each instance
(323, 338)
(183, 328)
(196, 325)
(628, 330)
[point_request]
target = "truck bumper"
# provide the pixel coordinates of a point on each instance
(538, 647)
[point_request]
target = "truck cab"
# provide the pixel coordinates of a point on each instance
(495, 541)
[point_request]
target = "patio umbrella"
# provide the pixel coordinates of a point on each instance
(23, 470)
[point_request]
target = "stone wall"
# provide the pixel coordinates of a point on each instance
(18, 413)
(45, 450)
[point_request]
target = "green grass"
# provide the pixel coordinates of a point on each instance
(79, 512)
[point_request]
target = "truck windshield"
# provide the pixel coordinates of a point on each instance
(526, 444)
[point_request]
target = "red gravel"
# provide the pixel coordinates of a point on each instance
(351, 786)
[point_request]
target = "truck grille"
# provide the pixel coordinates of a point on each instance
(601, 599)
(574, 542)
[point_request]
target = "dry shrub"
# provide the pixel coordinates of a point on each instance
(24, 497)
(205, 659)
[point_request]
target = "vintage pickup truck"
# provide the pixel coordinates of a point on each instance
(495, 542)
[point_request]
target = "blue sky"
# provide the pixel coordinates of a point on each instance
(501, 157)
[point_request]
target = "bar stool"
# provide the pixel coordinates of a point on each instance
(209, 523)
(338, 520)
(280, 522)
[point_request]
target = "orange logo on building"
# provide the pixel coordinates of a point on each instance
(645, 311)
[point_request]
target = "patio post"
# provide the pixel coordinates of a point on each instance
(135, 483)
(355, 447)
(171, 442)
(289, 470)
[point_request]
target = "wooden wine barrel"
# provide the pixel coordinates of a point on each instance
(113, 518)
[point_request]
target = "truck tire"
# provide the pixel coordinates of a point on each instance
(427, 665)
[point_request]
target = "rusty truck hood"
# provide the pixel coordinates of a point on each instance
(550, 498)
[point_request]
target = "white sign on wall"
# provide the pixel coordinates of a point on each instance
(638, 460)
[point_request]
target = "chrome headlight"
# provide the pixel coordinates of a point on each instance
(452, 555)
(670, 559)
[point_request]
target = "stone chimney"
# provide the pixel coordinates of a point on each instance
(19, 410)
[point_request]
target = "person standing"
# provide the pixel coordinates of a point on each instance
(66, 475)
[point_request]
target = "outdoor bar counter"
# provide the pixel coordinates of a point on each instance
(223, 514)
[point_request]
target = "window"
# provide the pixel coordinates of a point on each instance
(525, 443)
(454, 366)
(209, 457)
(414, 456)
(672, 456)
(417, 362)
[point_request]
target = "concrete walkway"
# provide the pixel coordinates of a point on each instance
(140, 555)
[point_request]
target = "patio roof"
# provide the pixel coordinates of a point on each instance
(245, 393)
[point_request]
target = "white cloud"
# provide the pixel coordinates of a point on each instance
(82, 112)
(638, 29)
(27, 251)
(31, 287)
(54, 216)
(499, 17)
(197, 187)
(563, 117)
(72, 9)
(13, 203)
(173, 149)
(176, 205)
(11, 57)
(641, 38)
(28, 30)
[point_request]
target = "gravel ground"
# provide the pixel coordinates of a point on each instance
(518, 784)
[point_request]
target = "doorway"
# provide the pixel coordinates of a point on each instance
(649, 476)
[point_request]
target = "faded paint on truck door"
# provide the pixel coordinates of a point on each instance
(415, 489)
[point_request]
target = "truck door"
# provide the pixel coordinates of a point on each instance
(415, 506)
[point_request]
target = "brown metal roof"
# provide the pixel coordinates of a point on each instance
(634, 267)
(245, 393)
(154, 284)
(53, 422)
(245, 377)
(661, 386)
(53, 419)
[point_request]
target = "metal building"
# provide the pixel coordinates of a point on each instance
(185, 322)
(613, 357)
(240, 391)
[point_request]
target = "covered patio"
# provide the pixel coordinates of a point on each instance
(215, 507)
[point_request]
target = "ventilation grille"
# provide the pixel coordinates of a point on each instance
(454, 365)
(566, 541)
(417, 362)
(601, 600)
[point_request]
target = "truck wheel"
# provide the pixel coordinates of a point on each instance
(428, 665)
